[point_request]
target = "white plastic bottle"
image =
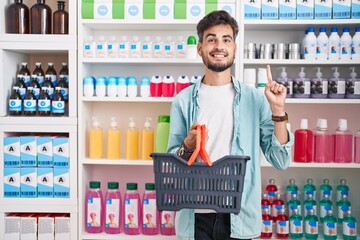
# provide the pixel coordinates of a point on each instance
(169, 47)
(303, 43)
(135, 48)
(355, 46)
(191, 48)
(180, 48)
(158, 48)
(322, 46)
(334, 44)
(100, 87)
(345, 44)
(89, 47)
(121, 87)
(145, 87)
(124, 50)
(310, 45)
(101, 45)
(112, 86)
(146, 48)
(112, 50)
(131, 87)
(89, 86)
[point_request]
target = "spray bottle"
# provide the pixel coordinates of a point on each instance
(147, 141)
(319, 85)
(113, 141)
(336, 87)
(301, 85)
(287, 82)
(352, 85)
(132, 141)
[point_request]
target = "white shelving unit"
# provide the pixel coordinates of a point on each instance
(17, 48)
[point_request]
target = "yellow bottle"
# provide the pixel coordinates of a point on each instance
(96, 140)
(113, 141)
(132, 142)
(147, 141)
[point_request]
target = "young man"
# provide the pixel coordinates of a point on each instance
(239, 120)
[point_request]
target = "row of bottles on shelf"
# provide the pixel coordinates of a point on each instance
(133, 215)
(148, 140)
(299, 9)
(122, 86)
(272, 51)
(40, 226)
(325, 146)
(39, 18)
(147, 48)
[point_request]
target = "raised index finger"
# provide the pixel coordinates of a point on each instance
(268, 73)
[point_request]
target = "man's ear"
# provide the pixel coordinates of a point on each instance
(199, 46)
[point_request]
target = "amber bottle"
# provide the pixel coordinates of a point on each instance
(17, 18)
(40, 18)
(61, 19)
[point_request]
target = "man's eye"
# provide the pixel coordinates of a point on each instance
(211, 40)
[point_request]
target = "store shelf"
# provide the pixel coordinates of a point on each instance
(57, 121)
(128, 99)
(123, 162)
(264, 163)
(36, 38)
(142, 61)
(300, 62)
(321, 101)
(40, 46)
(61, 205)
(123, 236)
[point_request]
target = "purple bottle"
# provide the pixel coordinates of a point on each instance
(94, 209)
(343, 143)
(287, 82)
(301, 85)
(132, 224)
(352, 85)
(319, 86)
(336, 86)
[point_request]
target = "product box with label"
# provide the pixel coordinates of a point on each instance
(341, 9)
(133, 9)
(45, 151)
(287, 9)
(252, 9)
(158, 9)
(46, 226)
(227, 5)
(355, 9)
(61, 183)
(305, 9)
(270, 9)
(102, 9)
(28, 186)
(28, 226)
(11, 151)
(12, 226)
(45, 182)
(12, 182)
(28, 154)
(61, 151)
(323, 9)
(195, 10)
(62, 226)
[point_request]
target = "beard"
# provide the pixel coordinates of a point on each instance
(217, 67)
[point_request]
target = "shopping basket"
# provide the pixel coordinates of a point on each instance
(199, 186)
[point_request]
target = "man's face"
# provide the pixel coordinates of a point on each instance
(218, 48)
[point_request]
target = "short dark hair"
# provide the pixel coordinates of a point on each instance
(216, 18)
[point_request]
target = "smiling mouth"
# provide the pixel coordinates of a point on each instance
(218, 55)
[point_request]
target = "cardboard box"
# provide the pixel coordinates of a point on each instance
(45, 151)
(164, 10)
(12, 226)
(133, 9)
(227, 5)
(12, 182)
(102, 9)
(195, 10)
(341, 9)
(61, 183)
(28, 186)
(62, 226)
(46, 226)
(61, 151)
(287, 9)
(45, 183)
(355, 9)
(323, 9)
(28, 154)
(252, 9)
(270, 9)
(305, 10)
(28, 226)
(12, 151)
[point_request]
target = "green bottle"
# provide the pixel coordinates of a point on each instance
(294, 203)
(296, 225)
(162, 134)
(291, 189)
(330, 226)
(325, 205)
(309, 188)
(341, 189)
(325, 188)
(349, 227)
(311, 225)
(309, 204)
(343, 206)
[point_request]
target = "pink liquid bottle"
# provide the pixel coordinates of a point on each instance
(303, 146)
(167, 226)
(357, 147)
(267, 228)
(282, 225)
(276, 206)
(150, 214)
(94, 209)
(343, 143)
(182, 82)
(113, 209)
(132, 223)
(156, 86)
(323, 143)
(271, 190)
(168, 86)
(265, 203)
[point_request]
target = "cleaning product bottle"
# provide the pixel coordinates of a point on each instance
(311, 223)
(324, 206)
(39, 73)
(330, 226)
(132, 141)
(162, 134)
(112, 49)
(135, 47)
(343, 206)
(267, 226)
(191, 49)
(180, 48)
(291, 189)
(282, 225)
(342, 189)
(124, 47)
(323, 143)
(303, 43)
(169, 47)
(319, 85)
(30, 102)
(349, 229)
(35, 85)
(94, 209)
(325, 188)
(64, 72)
(50, 88)
(158, 48)
(286, 82)
(145, 87)
(276, 206)
(25, 73)
(146, 48)
(50, 71)
(296, 225)
(265, 203)
(113, 141)
(156, 86)
(89, 47)
(322, 45)
(310, 203)
(150, 214)
(303, 146)
(309, 188)
(131, 86)
(113, 209)
(301, 85)
(334, 44)
(147, 141)
(168, 86)
(336, 87)
(355, 46)
(352, 85)
(343, 143)
(182, 82)
(21, 85)
(310, 45)
(44, 103)
(58, 103)
(95, 140)
(112, 86)
(132, 211)
(345, 44)
(294, 204)
(167, 226)
(121, 87)
(101, 47)
(271, 190)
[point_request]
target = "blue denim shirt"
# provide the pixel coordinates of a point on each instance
(253, 128)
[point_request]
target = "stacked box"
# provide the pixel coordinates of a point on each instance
(270, 9)
(28, 154)
(28, 186)
(12, 226)
(28, 226)
(61, 183)
(355, 9)
(12, 152)
(323, 9)
(45, 151)
(61, 151)
(46, 226)
(62, 226)
(341, 9)
(252, 9)
(287, 9)
(45, 182)
(133, 9)
(12, 182)
(305, 10)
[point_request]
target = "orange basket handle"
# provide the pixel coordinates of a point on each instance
(200, 146)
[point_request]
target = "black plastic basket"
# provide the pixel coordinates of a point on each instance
(199, 186)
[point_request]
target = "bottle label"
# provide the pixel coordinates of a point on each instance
(296, 226)
(15, 105)
(308, 207)
(131, 213)
(330, 229)
(324, 209)
(282, 227)
(266, 226)
(112, 213)
(22, 92)
(29, 105)
(50, 91)
(26, 79)
(40, 80)
(36, 92)
(66, 78)
(53, 79)
(349, 228)
(340, 193)
(276, 210)
(167, 219)
(93, 212)
(149, 213)
(44, 105)
(342, 211)
(58, 107)
(88, 51)
(65, 93)
(311, 227)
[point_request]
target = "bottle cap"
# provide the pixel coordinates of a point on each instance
(323, 29)
(283, 73)
(145, 81)
(131, 81)
(50, 64)
(64, 63)
(346, 29)
(334, 29)
(191, 40)
(302, 73)
(292, 181)
(101, 38)
(147, 122)
(311, 30)
(58, 88)
(121, 81)
(131, 186)
(113, 122)
(336, 74)
(135, 38)
(38, 64)
(326, 181)
(329, 212)
(24, 64)
(131, 122)
(149, 186)
(342, 124)
(272, 181)
(303, 123)
(169, 38)
(309, 180)
(147, 38)
(163, 118)
(44, 88)
(113, 185)
(343, 181)
(158, 38)
(323, 124)
(94, 185)
(15, 87)
(95, 122)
